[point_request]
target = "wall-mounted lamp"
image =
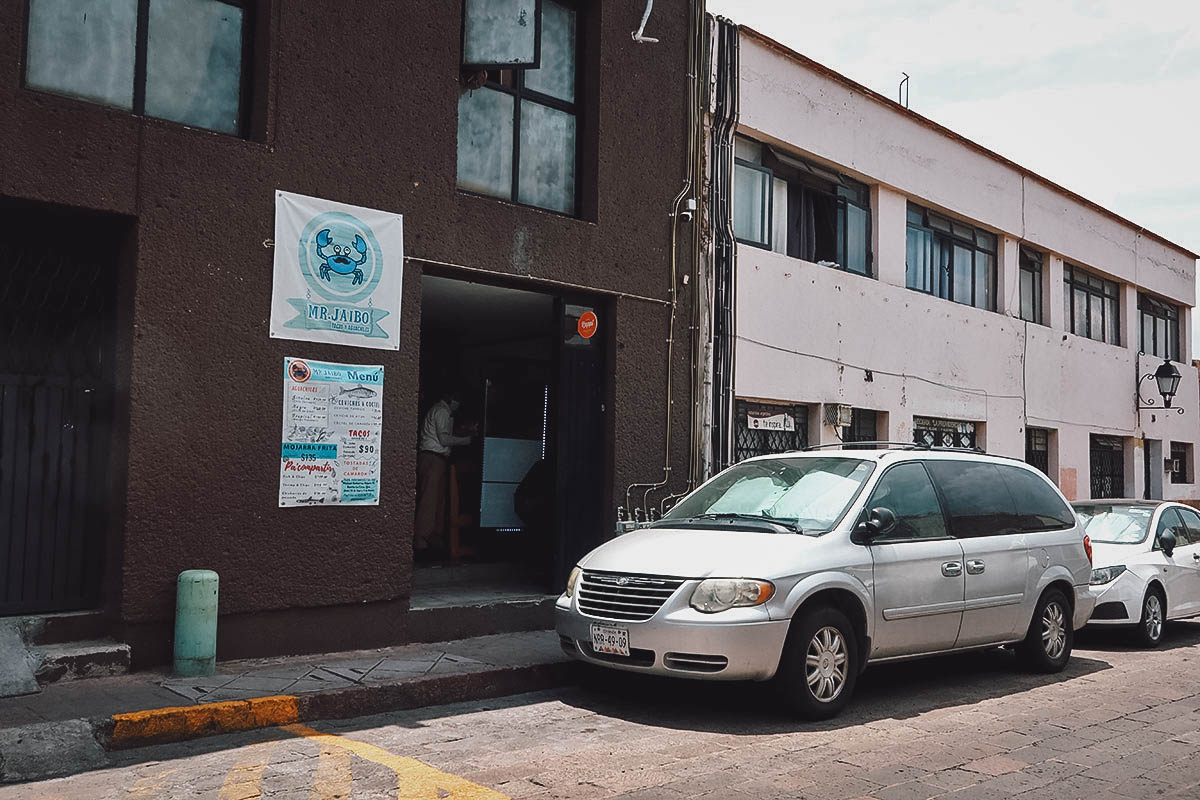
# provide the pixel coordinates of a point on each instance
(1166, 378)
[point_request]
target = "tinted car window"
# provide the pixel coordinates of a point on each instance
(977, 498)
(1191, 521)
(1038, 507)
(1169, 521)
(906, 491)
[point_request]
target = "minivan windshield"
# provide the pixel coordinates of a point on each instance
(1115, 524)
(809, 494)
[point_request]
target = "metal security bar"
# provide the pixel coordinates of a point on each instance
(1108, 467)
(57, 307)
(934, 432)
(755, 437)
(1037, 448)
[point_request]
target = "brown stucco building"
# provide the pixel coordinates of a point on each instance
(141, 411)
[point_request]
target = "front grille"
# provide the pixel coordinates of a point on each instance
(631, 598)
(695, 662)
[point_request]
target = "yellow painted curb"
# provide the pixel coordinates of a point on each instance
(182, 722)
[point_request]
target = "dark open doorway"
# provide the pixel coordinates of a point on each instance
(524, 497)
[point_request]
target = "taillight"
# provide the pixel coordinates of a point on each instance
(1087, 547)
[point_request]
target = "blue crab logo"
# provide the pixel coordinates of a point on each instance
(339, 257)
(336, 258)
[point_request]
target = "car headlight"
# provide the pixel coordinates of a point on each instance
(573, 579)
(1106, 574)
(719, 594)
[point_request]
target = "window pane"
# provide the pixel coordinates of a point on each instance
(498, 32)
(1170, 521)
(194, 63)
(1027, 307)
(556, 77)
(986, 241)
(485, 142)
(977, 499)
(750, 187)
(1096, 321)
(917, 260)
(82, 48)
(547, 177)
(963, 267)
(856, 239)
(942, 255)
(985, 269)
(1038, 507)
(1146, 343)
(1163, 349)
(915, 215)
(747, 150)
(1112, 321)
(906, 491)
(1079, 324)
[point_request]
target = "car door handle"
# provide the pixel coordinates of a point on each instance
(951, 569)
(974, 567)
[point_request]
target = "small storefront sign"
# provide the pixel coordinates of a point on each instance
(332, 431)
(587, 324)
(339, 270)
(770, 422)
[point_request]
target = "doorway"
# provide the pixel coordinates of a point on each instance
(58, 291)
(524, 498)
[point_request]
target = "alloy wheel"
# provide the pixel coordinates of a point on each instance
(1054, 630)
(825, 664)
(1154, 617)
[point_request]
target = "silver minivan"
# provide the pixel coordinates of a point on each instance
(806, 567)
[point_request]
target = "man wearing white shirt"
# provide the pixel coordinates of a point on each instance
(433, 465)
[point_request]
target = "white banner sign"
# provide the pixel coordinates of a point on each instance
(339, 271)
(332, 431)
(775, 422)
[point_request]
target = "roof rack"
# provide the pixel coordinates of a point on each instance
(893, 445)
(866, 446)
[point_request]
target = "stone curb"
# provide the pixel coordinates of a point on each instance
(80, 745)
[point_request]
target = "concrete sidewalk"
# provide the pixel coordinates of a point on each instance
(71, 726)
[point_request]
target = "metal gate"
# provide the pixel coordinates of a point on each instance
(935, 432)
(1108, 467)
(57, 301)
(763, 429)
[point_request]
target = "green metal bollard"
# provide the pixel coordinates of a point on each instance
(196, 623)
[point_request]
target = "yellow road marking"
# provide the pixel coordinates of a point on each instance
(244, 781)
(333, 780)
(414, 779)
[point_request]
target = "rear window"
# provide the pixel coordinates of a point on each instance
(1038, 506)
(977, 498)
(993, 499)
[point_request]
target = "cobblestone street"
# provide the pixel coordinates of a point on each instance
(1118, 723)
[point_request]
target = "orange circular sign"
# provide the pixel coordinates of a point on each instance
(587, 324)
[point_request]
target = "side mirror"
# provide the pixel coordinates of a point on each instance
(1167, 542)
(879, 522)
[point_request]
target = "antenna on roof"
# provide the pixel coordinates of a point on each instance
(903, 91)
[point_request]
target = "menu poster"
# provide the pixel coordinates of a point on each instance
(332, 426)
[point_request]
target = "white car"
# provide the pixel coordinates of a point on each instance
(1139, 580)
(806, 567)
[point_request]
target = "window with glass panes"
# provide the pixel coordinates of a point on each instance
(182, 60)
(1031, 285)
(1092, 305)
(950, 259)
(517, 133)
(1159, 327)
(1181, 455)
(791, 205)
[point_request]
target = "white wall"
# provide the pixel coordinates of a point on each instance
(806, 334)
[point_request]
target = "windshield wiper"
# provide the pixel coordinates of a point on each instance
(760, 517)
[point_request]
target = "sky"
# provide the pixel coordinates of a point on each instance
(1100, 96)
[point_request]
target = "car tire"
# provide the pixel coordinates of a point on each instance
(819, 687)
(1047, 644)
(1150, 627)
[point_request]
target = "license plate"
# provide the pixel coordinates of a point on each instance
(610, 640)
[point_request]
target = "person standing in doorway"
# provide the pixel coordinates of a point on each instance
(433, 468)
